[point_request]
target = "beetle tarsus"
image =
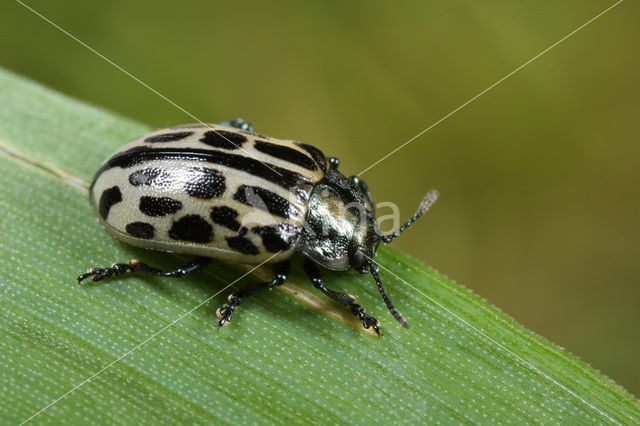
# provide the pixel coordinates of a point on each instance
(280, 274)
(226, 312)
(98, 274)
(333, 162)
(238, 123)
(367, 320)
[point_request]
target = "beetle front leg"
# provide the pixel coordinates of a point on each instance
(315, 274)
(280, 274)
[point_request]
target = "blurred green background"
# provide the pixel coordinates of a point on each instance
(539, 177)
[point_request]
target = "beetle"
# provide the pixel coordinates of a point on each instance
(222, 191)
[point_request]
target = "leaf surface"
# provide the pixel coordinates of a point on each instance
(142, 349)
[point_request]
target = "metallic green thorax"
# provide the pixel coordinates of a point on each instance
(341, 230)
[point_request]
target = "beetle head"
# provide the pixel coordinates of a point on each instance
(341, 230)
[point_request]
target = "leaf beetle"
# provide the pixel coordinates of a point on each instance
(222, 191)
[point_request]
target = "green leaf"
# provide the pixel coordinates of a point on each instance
(142, 349)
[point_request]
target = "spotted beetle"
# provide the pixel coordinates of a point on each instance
(225, 192)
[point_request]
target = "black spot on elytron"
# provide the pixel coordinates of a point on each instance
(278, 238)
(140, 230)
(317, 155)
(150, 176)
(223, 139)
(108, 198)
(242, 244)
(287, 154)
(168, 137)
(192, 228)
(225, 216)
(205, 183)
(159, 206)
(263, 199)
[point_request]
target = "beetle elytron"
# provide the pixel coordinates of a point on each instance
(224, 192)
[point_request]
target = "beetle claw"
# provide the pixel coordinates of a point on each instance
(98, 274)
(367, 320)
(226, 312)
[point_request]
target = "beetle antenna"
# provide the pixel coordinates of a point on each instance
(427, 201)
(396, 314)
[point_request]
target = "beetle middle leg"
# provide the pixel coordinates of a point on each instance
(98, 274)
(281, 272)
(315, 274)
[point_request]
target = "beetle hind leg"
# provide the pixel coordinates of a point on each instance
(280, 274)
(238, 123)
(98, 274)
(315, 274)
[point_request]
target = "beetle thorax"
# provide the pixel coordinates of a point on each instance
(339, 228)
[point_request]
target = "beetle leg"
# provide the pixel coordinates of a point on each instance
(281, 272)
(315, 274)
(333, 162)
(98, 274)
(238, 123)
